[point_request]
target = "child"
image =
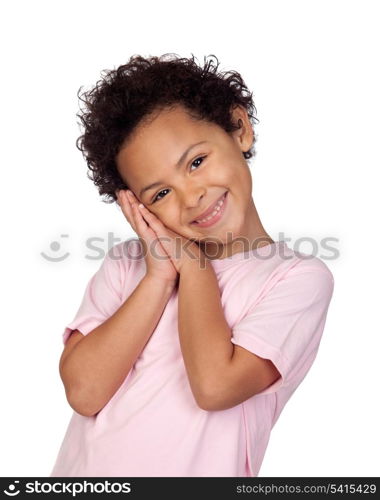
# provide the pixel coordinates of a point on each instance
(190, 339)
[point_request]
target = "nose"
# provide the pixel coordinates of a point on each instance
(192, 198)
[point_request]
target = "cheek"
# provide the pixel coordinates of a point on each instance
(167, 219)
(241, 189)
(233, 177)
(221, 174)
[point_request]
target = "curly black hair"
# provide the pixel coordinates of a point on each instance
(133, 92)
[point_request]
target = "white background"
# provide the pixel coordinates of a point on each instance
(313, 69)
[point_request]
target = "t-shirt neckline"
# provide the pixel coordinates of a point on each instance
(264, 251)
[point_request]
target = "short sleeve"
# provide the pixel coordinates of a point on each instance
(102, 296)
(287, 324)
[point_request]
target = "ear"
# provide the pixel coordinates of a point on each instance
(244, 135)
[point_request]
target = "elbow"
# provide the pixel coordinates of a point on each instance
(205, 404)
(217, 398)
(208, 396)
(210, 401)
(80, 404)
(77, 398)
(212, 404)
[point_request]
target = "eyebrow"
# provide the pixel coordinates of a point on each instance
(178, 164)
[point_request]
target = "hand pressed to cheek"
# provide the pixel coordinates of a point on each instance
(179, 249)
(127, 207)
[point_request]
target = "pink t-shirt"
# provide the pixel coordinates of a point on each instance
(275, 301)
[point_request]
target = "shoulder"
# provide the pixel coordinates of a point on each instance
(289, 268)
(125, 261)
(309, 281)
(311, 266)
(125, 253)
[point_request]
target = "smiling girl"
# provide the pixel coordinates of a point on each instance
(190, 339)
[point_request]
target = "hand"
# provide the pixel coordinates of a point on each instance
(180, 250)
(158, 263)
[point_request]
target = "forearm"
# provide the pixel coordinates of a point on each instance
(205, 336)
(98, 364)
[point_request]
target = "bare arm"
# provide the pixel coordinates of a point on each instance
(221, 374)
(98, 363)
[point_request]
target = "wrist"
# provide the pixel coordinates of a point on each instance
(194, 258)
(158, 281)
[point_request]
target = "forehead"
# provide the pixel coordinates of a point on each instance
(161, 140)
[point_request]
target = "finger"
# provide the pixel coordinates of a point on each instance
(138, 216)
(141, 224)
(132, 197)
(127, 209)
(153, 221)
(124, 205)
(133, 202)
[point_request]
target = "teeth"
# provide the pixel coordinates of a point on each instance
(216, 210)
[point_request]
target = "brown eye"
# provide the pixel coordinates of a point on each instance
(156, 198)
(199, 158)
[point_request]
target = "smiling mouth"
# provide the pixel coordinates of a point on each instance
(216, 214)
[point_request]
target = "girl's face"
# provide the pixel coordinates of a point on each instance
(179, 184)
